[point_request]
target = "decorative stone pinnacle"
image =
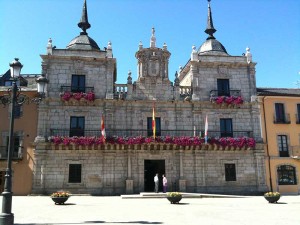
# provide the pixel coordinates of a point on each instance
(84, 22)
(153, 39)
(210, 30)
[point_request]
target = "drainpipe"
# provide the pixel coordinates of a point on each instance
(266, 135)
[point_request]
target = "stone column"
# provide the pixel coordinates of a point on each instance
(38, 182)
(129, 180)
(259, 156)
(182, 181)
(195, 81)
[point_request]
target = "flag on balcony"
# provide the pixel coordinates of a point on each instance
(205, 130)
(103, 128)
(153, 121)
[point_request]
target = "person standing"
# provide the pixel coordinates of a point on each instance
(156, 183)
(165, 183)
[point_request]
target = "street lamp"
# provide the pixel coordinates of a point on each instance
(15, 98)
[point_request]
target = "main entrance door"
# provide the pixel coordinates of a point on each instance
(151, 167)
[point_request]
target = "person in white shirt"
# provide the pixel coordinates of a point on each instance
(156, 183)
(165, 183)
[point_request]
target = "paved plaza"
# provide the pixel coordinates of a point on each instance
(33, 210)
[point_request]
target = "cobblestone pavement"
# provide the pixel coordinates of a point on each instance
(41, 210)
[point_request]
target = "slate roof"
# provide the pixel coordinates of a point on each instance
(293, 92)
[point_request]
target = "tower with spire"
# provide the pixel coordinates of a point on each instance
(153, 71)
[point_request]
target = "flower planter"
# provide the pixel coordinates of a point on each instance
(175, 199)
(59, 200)
(272, 199)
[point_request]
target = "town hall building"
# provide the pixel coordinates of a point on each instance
(73, 153)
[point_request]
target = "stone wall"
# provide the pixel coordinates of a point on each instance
(106, 168)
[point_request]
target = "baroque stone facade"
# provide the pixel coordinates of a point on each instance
(213, 84)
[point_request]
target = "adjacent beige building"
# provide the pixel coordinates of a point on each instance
(280, 113)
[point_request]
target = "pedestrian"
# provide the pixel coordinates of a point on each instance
(165, 183)
(156, 183)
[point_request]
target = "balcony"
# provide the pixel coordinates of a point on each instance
(17, 154)
(120, 91)
(185, 91)
(215, 93)
(295, 151)
(75, 89)
(282, 119)
(147, 133)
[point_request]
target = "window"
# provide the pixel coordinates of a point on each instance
(286, 175)
(298, 114)
(78, 83)
(230, 173)
(223, 87)
(280, 116)
(18, 111)
(283, 146)
(226, 127)
(149, 126)
(74, 173)
(8, 83)
(16, 146)
(76, 126)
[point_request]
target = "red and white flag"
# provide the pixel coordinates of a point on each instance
(153, 121)
(205, 130)
(103, 128)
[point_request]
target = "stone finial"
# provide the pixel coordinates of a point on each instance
(176, 81)
(180, 69)
(129, 78)
(165, 47)
(248, 55)
(140, 45)
(109, 45)
(153, 39)
(49, 47)
(109, 50)
(194, 54)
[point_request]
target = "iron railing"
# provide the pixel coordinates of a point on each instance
(295, 151)
(282, 119)
(145, 133)
(17, 153)
(75, 89)
(231, 92)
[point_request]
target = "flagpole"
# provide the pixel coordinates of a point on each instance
(153, 121)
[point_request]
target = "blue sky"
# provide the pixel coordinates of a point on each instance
(271, 28)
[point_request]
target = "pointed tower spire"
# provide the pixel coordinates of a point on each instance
(210, 30)
(84, 22)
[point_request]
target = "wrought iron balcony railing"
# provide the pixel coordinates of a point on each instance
(75, 89)
(16, 155)
(282, 119)
(295, 151)
(231, 92)
(145, 133)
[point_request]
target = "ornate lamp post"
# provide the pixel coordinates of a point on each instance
(14, 97)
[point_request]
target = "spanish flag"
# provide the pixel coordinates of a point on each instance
(153, 121)
(103, 128)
